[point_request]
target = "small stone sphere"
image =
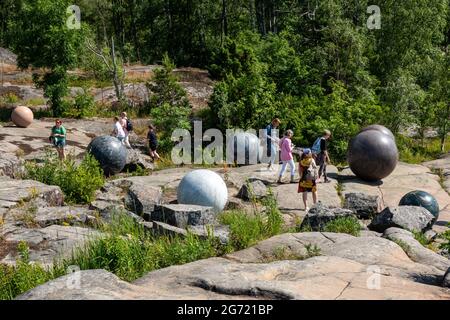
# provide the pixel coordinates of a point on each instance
(22, 116)
(110, 153)
(203, 188)
(379, 128)
(372, 155)
(420, 198)
(247, 148)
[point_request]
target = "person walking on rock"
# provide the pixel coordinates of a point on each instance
(272, 142)
(308, 177)
(153, 142)
(320, 153)
(118, 130)
(286, 148)
(58, 138)
(125, 123)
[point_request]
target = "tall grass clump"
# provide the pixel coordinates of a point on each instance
(22, 277)
(349, 225)
(78, 182)
(129, 251)
(248, 229)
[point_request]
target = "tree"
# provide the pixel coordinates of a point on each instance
(43, 40)
(169, 106)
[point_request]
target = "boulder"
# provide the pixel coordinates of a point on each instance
(47, 216)
(415, 251)
(142, 199)
(406, 217)
(446, 282)
(183, 215)
(363, 205)
(10, 165)
(319, 215)
(320, 277)
(253, 190)
(13, 192)
(135, 159)
(47, 244)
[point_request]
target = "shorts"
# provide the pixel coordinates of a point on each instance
(307, 186)
(59, 143)
(153, 147)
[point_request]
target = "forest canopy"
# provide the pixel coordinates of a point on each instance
(316, 64)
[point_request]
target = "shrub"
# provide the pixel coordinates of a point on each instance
(78, 182)
(446, 245)
(129, 251)
(169, 106)
(83, 106)
(23, 277)
(347, 225)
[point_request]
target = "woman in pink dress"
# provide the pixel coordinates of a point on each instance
(286, 148)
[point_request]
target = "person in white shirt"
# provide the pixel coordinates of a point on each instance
(118, 130)
(124, 124)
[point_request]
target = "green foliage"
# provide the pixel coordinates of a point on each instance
(347, 225)
(43, 40)
(78, 182)
(419, 236)
(23, 277)
(169, 107)
(83, 106)
(246, 230)
(418, 151)
(446, 236)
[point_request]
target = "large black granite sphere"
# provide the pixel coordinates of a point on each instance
(372, 155)
(379, 128)
(420, 198)
(110, 153)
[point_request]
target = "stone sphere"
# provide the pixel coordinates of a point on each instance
(203, 188)
(372, 155)
(247, 148)
(379, 128)
(22, 116)
(420, 198)
(110, 153)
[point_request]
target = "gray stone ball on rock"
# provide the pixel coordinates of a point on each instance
(203, 188)
(110, 153)
(372, 155)
(379, 128)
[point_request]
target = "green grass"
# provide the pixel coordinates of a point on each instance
(446, 236)
(412, 151)
(129, 251)
(347, 225)
(78, 182)
(248, 229)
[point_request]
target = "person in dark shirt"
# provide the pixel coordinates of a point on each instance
(323, 157)
(272, 142)
(153, 142)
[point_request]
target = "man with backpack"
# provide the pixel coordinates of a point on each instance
(127, 128)
(272, 142)
(320, 153)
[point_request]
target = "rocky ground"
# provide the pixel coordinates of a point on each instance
(384, 264)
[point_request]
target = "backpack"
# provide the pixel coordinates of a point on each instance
(311, 173)
(129, 125)
(316, 146)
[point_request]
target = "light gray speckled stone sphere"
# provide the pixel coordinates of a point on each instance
(203, 188)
